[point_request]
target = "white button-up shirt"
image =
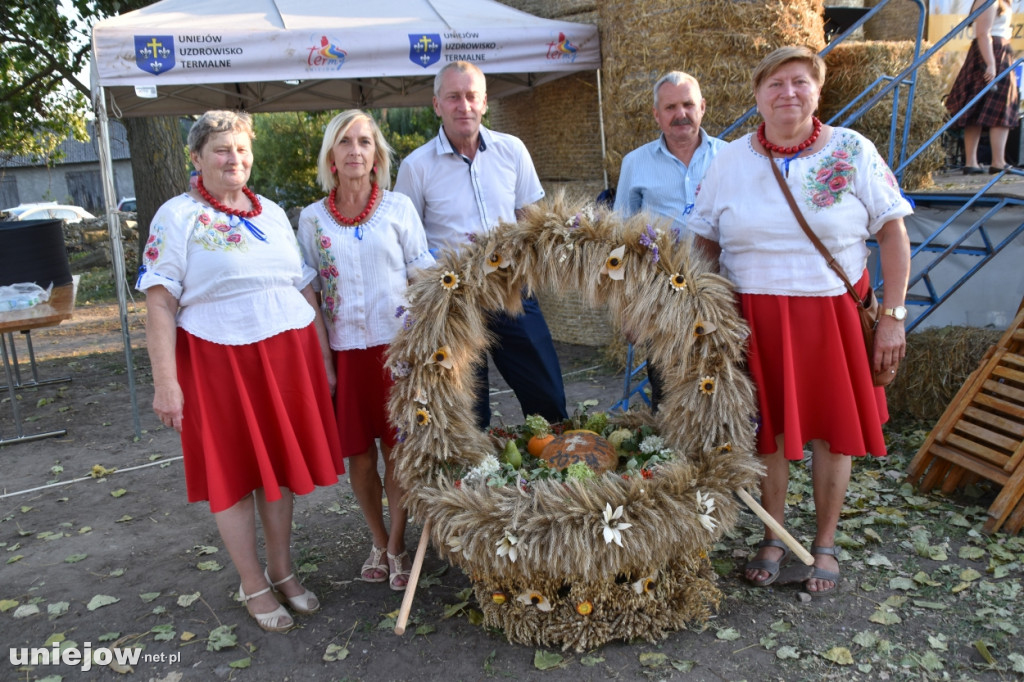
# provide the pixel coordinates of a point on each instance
(457, 197)
(653, 179)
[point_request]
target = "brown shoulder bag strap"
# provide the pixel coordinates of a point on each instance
(829, 258)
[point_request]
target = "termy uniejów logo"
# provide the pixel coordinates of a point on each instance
(562, 49)
(325, 55)
(154, 54)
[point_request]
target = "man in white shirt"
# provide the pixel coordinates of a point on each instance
(662, 177)
(462, 183)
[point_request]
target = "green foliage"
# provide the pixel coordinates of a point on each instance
(285, 152)
(43, 47)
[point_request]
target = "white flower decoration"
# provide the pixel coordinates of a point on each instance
(455, 543)
(706, 505)
(508, 546)
(481, 472)
(652, 445)
(613, 264)
(613, 527)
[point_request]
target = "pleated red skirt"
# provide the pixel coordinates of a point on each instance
(256, 416)
(361, 399)
(808, 361)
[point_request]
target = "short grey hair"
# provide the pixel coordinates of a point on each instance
(215, 122)
(462, 67)
(675, 78)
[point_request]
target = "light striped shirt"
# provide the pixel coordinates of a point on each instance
(652, 179)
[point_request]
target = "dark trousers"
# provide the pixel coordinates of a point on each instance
(525, 356)
(657, 384)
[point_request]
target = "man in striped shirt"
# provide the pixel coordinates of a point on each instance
(662, 177)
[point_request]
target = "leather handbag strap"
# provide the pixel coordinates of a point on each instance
(829, 258)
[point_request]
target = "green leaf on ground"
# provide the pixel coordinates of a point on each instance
(120, 492)
(186, 600)
(781, 626)
(938, 642)
(424, 630)
(147, 597)
(1017, 662)
(969, 575)
(901, 584)
(7, 605)
(787, 652)
(839, 655)
(971, 552)
(938, 606)
(684, 666)
(922, 578)
(885, 617)
(241, 663)
(652, 660)
(931, 661)
(454, 609)
(878, 560)
(101, 600)
(200, 550)
(728, 634)
(209, 566)
(221, 637)
(57, 608)
(546, 660)
(335, 652)
(590, 660)
(74, 558)
(866, 639)
(163, 632)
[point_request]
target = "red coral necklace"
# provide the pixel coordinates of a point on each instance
(342, 220)
(257, 207)
(786, 151)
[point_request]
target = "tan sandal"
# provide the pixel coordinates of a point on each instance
(304, 603)
(277, 620)
(400, 567)
(375, 563)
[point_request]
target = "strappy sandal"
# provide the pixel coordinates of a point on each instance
(772, 567)
(822, 574)
(271, 622)
(375, 562)
(397, 564)
(304, 603)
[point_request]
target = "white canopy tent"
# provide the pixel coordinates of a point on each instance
(180, 57)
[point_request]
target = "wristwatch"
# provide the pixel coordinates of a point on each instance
(899, 312)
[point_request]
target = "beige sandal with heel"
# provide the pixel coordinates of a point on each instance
(375, 562)
(304, 603)
(397, 564)
(277, 620)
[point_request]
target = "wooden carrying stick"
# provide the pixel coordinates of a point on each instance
(414, 577)
(776, 527)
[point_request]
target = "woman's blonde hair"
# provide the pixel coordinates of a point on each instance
(784, 55)
(334, 131)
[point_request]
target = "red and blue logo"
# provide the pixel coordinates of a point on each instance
(154, 54)
(424, 48)
(562, 49)
(327, 56)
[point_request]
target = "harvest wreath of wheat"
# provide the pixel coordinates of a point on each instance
(540, 554)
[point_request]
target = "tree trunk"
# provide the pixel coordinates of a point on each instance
(159, 168)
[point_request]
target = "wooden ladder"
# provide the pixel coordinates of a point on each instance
(981, 433)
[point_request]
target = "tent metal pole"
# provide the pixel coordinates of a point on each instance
(116, 245)
(600, 123)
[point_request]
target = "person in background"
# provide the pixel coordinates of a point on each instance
(662, 177)
(806, 351)
(365, 242)
(241, 366)
(462, 183)
(988, 56)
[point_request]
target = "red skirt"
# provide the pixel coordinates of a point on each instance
(361, 399)
(808, 361)
(256, 416)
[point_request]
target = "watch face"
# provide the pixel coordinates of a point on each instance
(899, 312)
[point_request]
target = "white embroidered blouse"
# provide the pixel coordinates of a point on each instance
(364, 270)
(845, 191)
(232, 288)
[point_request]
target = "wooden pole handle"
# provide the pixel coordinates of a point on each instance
(414, 577)
(776, 528)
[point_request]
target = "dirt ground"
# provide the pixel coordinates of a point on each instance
(98, 546)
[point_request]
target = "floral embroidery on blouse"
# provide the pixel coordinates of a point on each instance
(153, 246)
(328, 271)
(832, 179)
(213, 234)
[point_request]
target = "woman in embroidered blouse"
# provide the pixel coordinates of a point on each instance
(365, 242)
(806, 353)
(241, 366)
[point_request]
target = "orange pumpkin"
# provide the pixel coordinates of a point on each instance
(536, 444)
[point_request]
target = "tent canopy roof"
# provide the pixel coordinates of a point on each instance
(288, 55)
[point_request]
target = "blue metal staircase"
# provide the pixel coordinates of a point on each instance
(929, 256)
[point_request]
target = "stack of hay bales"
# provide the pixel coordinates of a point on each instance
(852, 67)
(717, 41)
(937, 364)
(898, 20)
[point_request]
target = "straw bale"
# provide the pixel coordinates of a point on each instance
(717, 41)
(581, 11)
(898, 20)
(938, 362)
(855, 66)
